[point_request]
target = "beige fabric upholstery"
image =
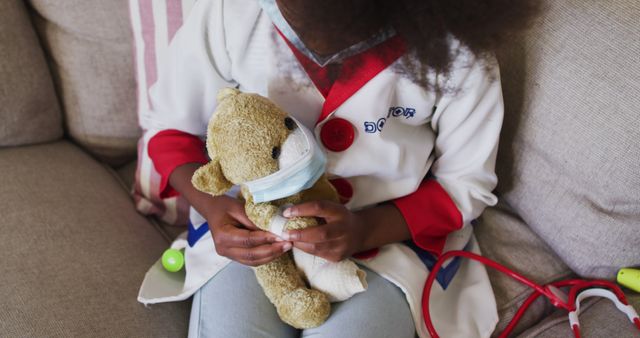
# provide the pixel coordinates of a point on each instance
(599, 318)
(126, 174)
(74, 250)
(504, 238)
(570, 151)
(90, 44)
(29, 111)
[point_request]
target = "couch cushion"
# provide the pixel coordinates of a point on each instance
(75, 250)
(127, 174)
(29, 112)
(505, 238)
(570, 151)
(90, 44)
(598, 318)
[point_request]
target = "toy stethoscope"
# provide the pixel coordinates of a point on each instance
(578, 290)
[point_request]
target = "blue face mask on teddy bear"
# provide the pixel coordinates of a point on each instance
(302, 163)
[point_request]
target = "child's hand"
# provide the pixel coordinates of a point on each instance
(234, 235)
(341, 236)
(237, 238)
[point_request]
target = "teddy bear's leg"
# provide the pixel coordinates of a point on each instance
(297, 305)
(338, 280)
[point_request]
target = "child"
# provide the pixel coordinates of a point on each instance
(404, 98)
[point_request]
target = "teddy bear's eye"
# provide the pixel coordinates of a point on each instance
(289, 123)
(275, 153)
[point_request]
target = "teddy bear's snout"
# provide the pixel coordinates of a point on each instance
(293, 148)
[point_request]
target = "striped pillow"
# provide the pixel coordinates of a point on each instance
(154, 23)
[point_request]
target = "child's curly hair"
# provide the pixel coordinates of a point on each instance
(480, 25)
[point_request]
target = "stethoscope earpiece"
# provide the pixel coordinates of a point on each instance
(627, 309)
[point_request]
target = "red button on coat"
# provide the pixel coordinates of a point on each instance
(344, 189)
(337, 134)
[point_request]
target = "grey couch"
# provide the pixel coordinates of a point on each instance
(74, 249)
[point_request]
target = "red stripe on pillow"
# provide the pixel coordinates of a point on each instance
(174, 17)
(149, 38)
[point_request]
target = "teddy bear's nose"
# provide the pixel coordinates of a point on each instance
(275, 153)
(289, 123)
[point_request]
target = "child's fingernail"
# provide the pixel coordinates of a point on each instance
(285, 236)
(286, 212)
(286, 247)
(278, 239)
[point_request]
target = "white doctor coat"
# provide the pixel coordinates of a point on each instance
(382, 134)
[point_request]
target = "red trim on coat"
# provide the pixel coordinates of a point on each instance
(355, 72)
(431, 215)
(367, 254)
(318, 75)
(170, 149)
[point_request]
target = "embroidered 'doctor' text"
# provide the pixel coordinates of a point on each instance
(376, 126)
(401, 111)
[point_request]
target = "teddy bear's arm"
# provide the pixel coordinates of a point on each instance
(260, 214)
(322, 190)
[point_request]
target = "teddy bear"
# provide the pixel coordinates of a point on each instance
(253, 143)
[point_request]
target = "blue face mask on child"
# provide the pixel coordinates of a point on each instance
(301, 173)
(271, 8)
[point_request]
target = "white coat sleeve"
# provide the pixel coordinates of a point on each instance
(196, 67)
(467, 120)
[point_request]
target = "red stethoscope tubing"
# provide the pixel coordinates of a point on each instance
(547, 290)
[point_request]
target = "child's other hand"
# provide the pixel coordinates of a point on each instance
(341, 236)
(237, 238)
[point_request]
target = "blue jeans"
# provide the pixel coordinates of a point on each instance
(232, 304)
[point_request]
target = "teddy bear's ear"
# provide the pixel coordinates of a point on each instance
(210, 179)
(226, 92)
